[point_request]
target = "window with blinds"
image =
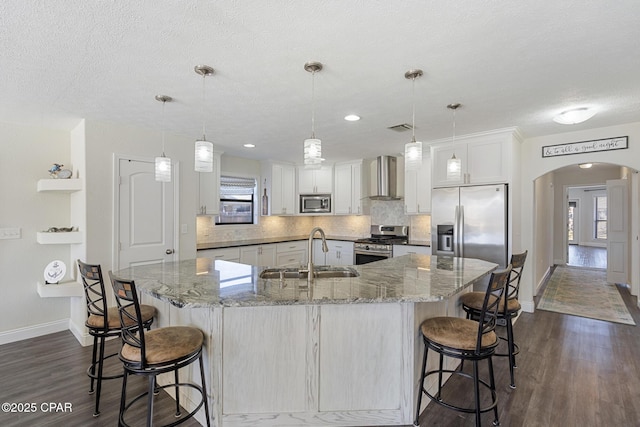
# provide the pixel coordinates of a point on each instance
(237, 200)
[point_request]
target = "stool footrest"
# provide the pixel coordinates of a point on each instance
(439, 401)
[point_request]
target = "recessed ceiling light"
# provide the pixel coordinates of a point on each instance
(352, 118)
(585, 165)
(575, 116)
(249, 145)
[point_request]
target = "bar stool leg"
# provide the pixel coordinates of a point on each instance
(512, 357)
(421, 385)
(100, 370)
(92, 370)
(177, 414)
(152, 387)
(492, 383)
(476, 387)
(123, 399)
(204, 391)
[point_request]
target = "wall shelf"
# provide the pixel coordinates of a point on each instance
(65, 238)
(59, 185)
(63, 289)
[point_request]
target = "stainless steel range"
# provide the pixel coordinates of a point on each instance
(380, 245)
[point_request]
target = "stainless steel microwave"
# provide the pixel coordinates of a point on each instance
(315, 203)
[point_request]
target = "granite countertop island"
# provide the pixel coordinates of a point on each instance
(205, 282)
(338, 352)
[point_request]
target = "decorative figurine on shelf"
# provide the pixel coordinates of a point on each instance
(57, 172)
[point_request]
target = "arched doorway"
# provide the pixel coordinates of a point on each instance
(571, 214)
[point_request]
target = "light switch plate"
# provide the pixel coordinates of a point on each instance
(184, 229)
(10, 233)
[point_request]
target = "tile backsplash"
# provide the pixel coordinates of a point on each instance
(382, 212)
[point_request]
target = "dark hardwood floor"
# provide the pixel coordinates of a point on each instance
(572, 371)
(52, 369)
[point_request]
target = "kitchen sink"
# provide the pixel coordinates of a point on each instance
(320, 272)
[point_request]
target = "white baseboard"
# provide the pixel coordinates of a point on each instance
(528, 306)
(81, 334)
(34, 331)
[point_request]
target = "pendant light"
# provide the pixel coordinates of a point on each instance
(312, 146)
(203, 148)
(163, 163)
(454, 165)
(413, 149)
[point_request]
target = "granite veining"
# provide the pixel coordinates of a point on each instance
(205, 282)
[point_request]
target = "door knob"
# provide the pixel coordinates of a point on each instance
(168, 251)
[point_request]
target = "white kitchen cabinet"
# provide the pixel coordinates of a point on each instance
(315, 181)
(417, 188)
(291, 254)
(281, 187)
(226, 254)
(209, 188)
(340, 253)
(399, 250)
(259, 255)
(349, 182)
(484, 159)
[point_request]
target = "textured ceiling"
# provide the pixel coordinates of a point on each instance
(510, 63)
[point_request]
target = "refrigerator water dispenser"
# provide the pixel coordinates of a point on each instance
(445, 238)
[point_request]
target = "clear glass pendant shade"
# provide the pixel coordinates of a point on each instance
(454, 167)
(203, 156)
(312, 153)
(413, 155)
(163, 169)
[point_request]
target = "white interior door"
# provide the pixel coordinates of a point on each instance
(617, 231)
(146, 215)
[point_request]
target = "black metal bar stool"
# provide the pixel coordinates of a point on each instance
(155, 352)
(102, 322)
(465, 339)
(472, 304)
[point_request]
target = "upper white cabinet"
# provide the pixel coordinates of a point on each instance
(311, 181)
(417, 188)
(281, 187)
(209, 190)
(486, 159)
(349, 182)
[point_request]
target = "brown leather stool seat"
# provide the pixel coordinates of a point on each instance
(472, 304)
(102, 322)
(465, 339)
(155, 352)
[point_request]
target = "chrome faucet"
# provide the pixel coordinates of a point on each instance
(325, 249)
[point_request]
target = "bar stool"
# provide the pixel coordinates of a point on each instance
(465, 339)
(102, 322)
(158, 351)
(472, 304)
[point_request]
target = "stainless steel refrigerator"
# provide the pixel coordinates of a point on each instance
(471, 222)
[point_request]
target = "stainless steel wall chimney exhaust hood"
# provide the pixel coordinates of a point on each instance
(387, 178)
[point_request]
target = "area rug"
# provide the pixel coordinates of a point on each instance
(586, 293)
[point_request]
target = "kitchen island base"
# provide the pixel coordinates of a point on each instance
(322, 364)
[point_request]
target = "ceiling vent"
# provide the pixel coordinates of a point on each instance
(401, 128)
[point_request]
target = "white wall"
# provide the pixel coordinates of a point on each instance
(534, 166)
(27, 153)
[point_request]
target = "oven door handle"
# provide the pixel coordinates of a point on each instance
(386, 254)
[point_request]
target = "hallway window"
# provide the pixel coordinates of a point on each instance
(600, 217)
(570, 220)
